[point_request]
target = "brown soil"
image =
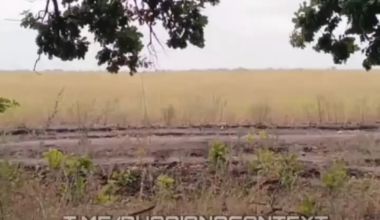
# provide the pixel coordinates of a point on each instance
(315, 147)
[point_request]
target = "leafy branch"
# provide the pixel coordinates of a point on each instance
(115, 27)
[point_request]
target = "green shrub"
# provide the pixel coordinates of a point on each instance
(218, 154)
(165, 186)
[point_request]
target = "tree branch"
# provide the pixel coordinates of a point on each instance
(142, 211)
(56, 8)
(45, 12)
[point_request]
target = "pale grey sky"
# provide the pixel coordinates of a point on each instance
(241, 33)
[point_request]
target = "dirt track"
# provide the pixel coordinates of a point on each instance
(190, 145)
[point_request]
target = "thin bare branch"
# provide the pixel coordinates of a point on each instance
(55, 109)
(56, 8)
(45, 12)
(35, 64)
(142, 211)
(46, 9)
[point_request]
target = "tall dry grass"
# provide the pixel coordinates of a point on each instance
(279, 97)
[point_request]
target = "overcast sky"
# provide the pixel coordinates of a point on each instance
(241, 33)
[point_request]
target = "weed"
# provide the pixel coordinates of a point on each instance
(265, 163)
(54, 158)
(78, 164)
(335, 177)
(165, 186)
(218, 154)
(308, 206)
(123, 178)
(76, 170)
(290, 169)
(249, 138)
(107, 193)
(263, 134)
(270, 165)
(8, 171)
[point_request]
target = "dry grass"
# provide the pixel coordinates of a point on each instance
(272, 185)
(279, 97)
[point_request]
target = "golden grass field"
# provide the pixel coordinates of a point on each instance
(270, 96)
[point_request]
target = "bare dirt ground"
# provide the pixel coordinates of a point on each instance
(108, 146)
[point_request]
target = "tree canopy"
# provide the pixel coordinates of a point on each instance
(114, 24)
(324, 16)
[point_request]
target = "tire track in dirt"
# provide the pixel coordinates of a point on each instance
(183, 130)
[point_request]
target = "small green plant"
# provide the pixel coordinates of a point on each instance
(290, 169)
(308, 206)
(123, 178)
(335, 177)
(218, 154)
(249, 137)
(77, 164)
(107, 193)
(71, 164)
(8, 171)
(270, 165)
(76, 170)
(265, 163)
(165, 186)
(263, 134)
(54, 158)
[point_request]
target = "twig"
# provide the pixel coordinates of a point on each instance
(2, 212)
(156, 38)
(46, 10)
(35, 64)
(142, 211)
(142, 184)
(42, 207)
(146, 117)
(139, 11)
(55, 110)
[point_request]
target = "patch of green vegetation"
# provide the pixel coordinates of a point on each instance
(6, 104)
(270, 165)
(107, 194)
(335, 177)
(76, 170)
(165, 186)
(218, 154)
